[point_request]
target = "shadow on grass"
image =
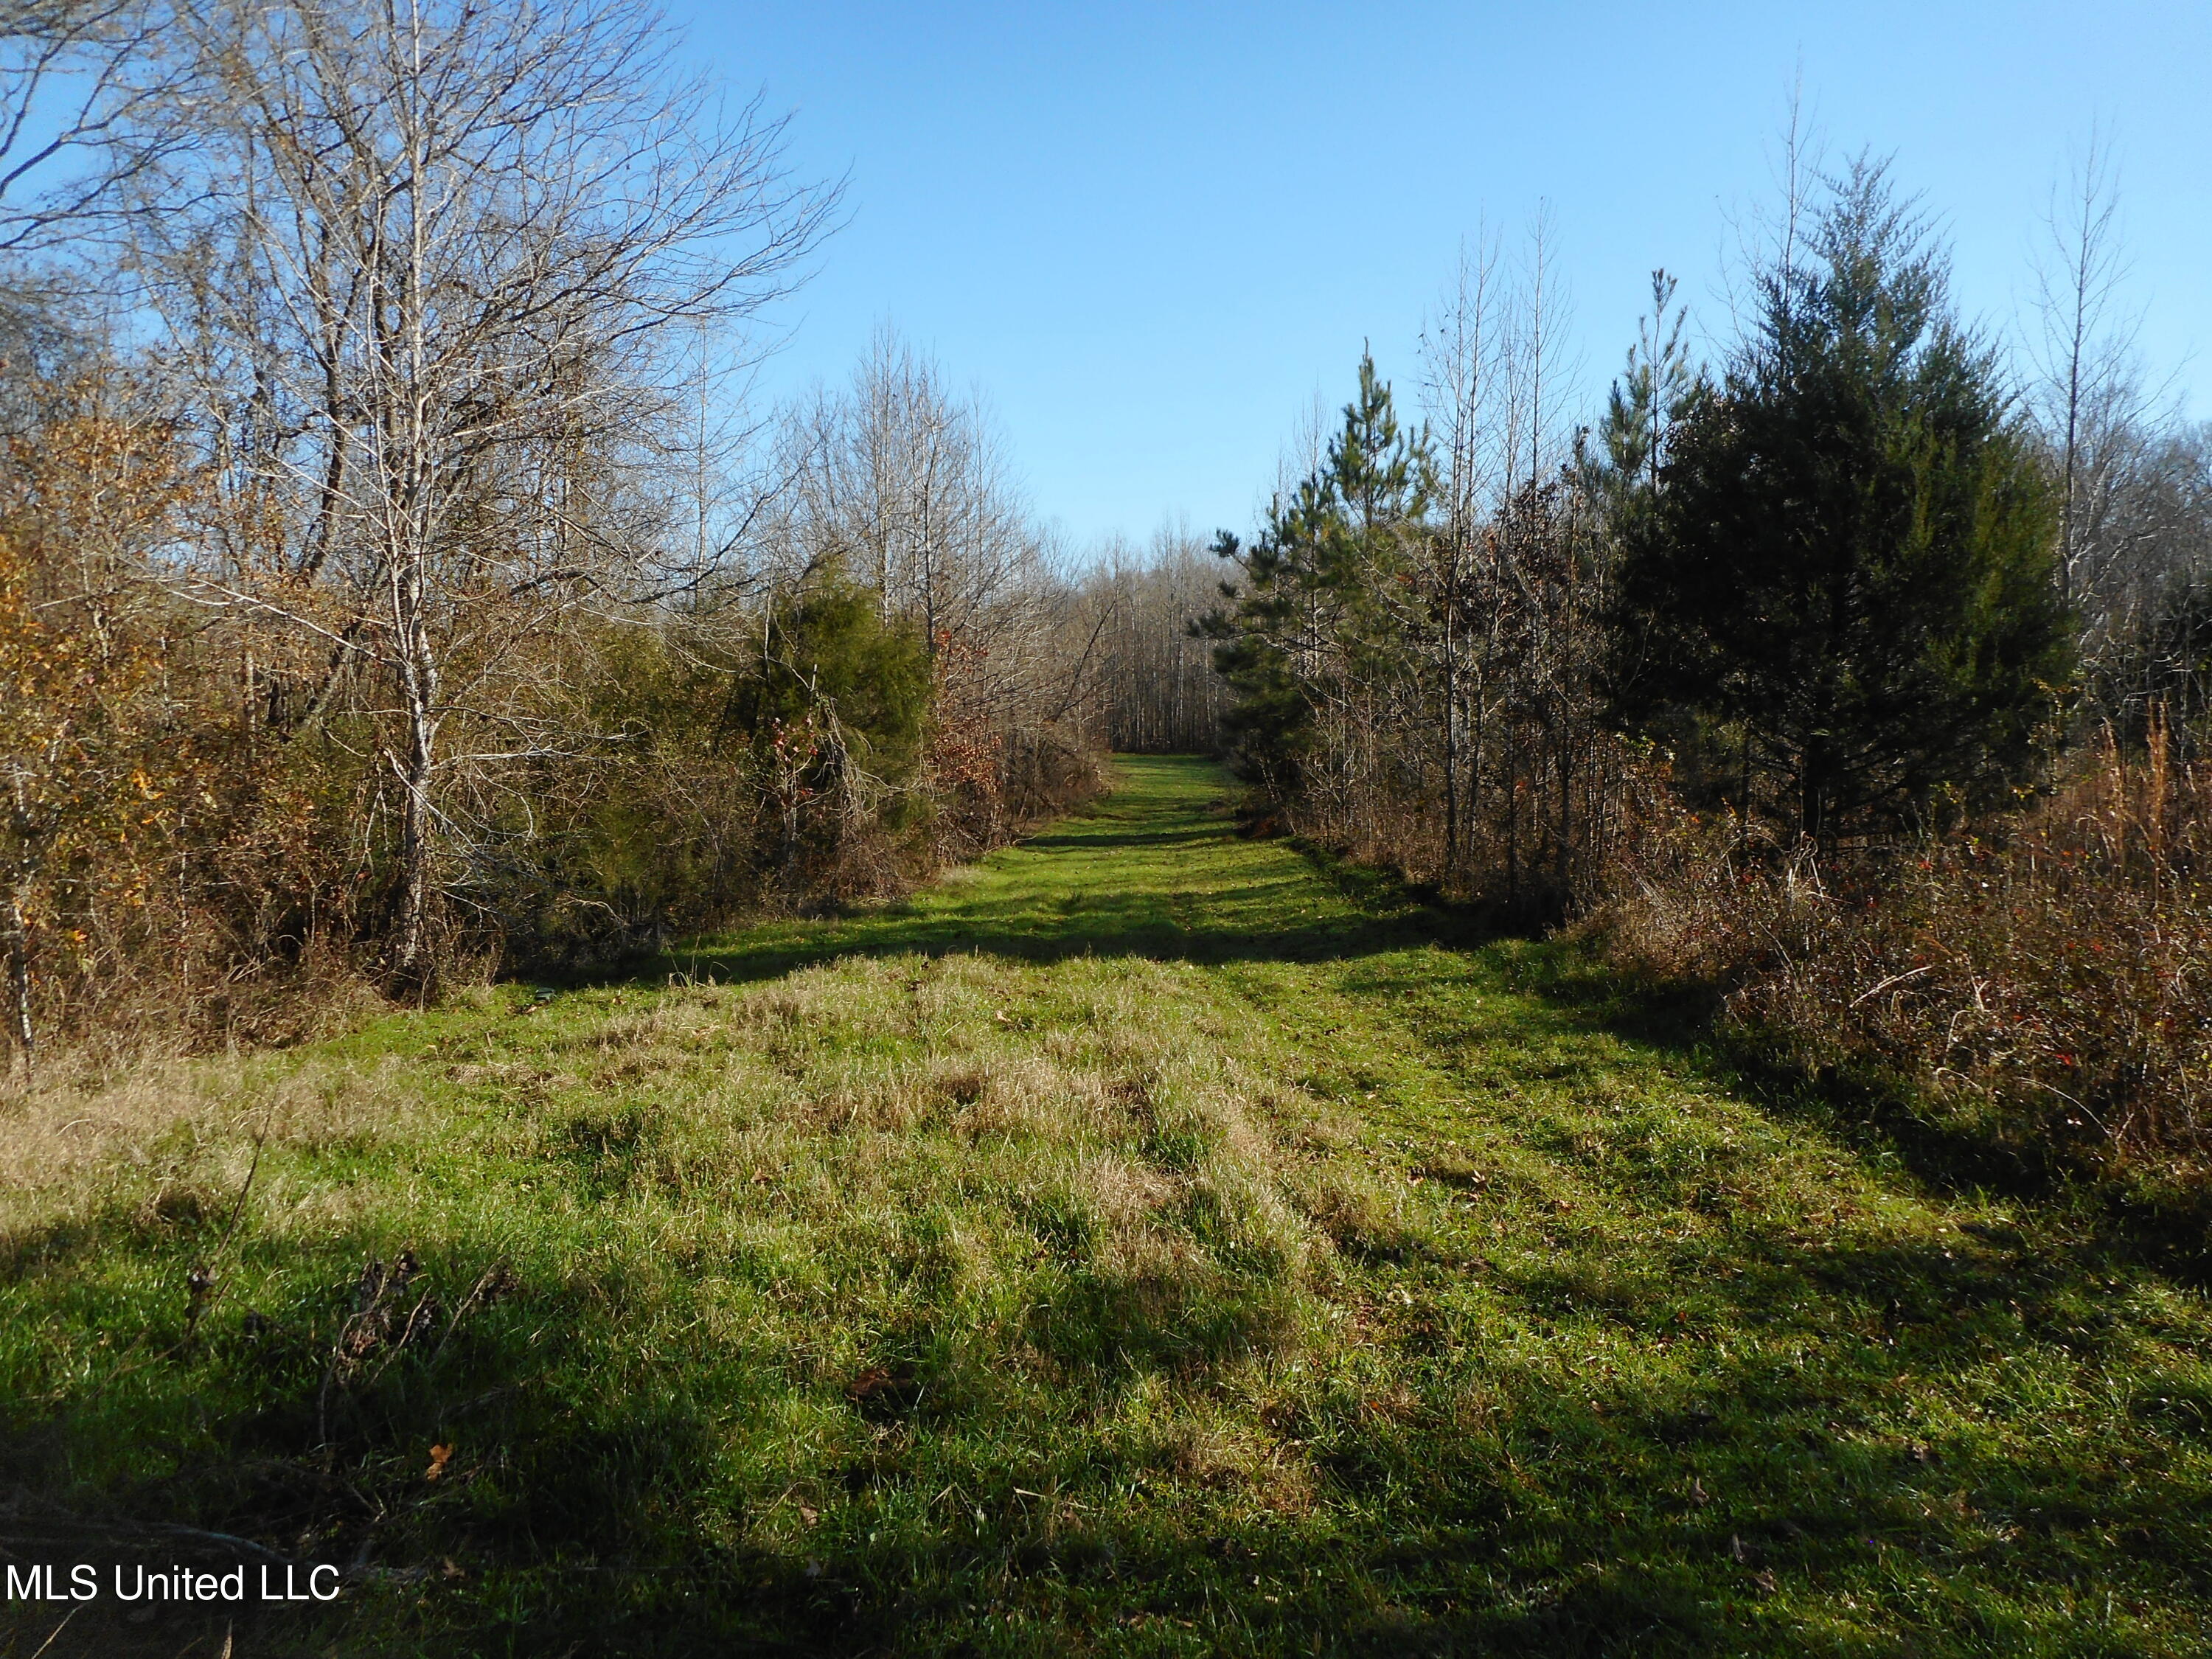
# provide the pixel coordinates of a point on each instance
(1564, 1512)
(1949, 1153)
(1572, 1515)
(1242, 923)
(1092, 926)
(1139, 874)
(577, 1496)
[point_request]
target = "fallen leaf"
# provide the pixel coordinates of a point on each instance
(440, 1456)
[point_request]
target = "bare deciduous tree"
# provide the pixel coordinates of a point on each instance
(2088, 389)
(429, 259)
(1462, 387)
(75, 77)
(903, 488)
(1146, 679)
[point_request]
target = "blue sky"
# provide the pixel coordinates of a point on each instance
(1149, 235)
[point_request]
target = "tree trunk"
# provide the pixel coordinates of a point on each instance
(1451, 736)
(418, 837)
(418, 852)
(19, 977)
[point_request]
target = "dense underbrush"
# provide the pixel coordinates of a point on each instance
(2037, 981)
(2041, 978)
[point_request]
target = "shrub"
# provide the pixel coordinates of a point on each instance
(2047, 972)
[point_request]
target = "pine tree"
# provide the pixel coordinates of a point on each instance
(1321, 623)
(1654, 395)
(1846, 576)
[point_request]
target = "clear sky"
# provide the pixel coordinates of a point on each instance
(1149, 235)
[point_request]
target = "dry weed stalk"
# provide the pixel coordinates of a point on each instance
(2054, 968)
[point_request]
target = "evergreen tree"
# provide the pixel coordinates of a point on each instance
(1846, 576)
(1321, 621)
(836, 675)
(1652, 397)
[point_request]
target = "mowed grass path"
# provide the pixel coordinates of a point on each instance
(1146, 1241)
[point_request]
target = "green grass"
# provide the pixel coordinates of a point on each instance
(1146, 1241)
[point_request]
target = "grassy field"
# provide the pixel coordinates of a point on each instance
(1147, 1242)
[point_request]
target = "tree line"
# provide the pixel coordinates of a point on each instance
(1859, 577)
(392, 584)
(1861, 677)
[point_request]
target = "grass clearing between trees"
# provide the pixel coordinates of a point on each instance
(1147, 1241)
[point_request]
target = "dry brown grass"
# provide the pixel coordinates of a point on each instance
(2051, 973)
(192, 1119)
